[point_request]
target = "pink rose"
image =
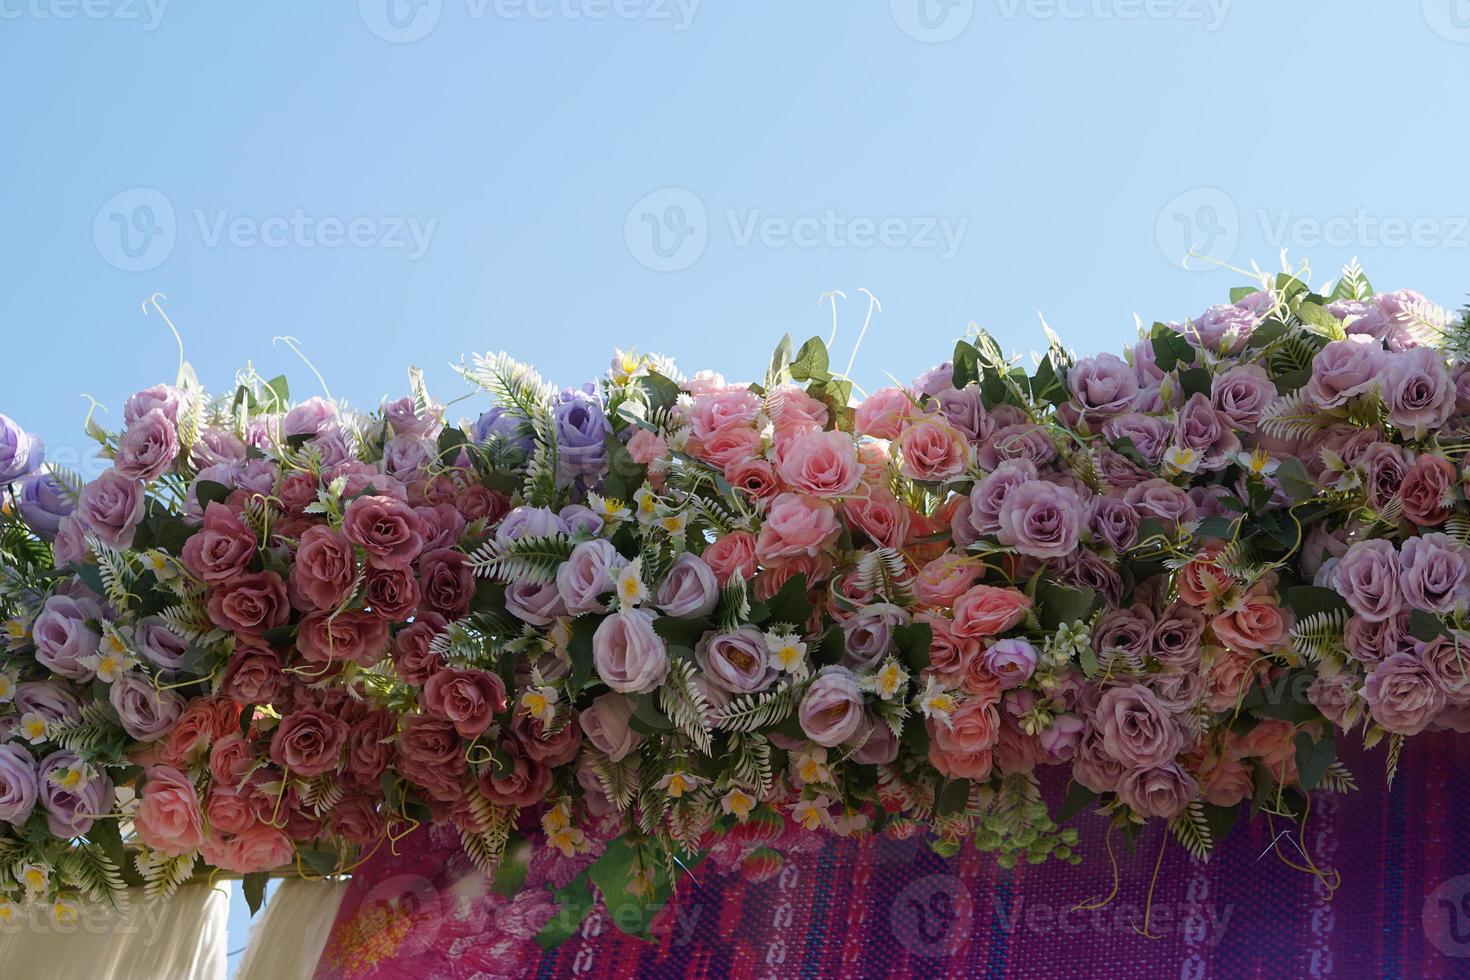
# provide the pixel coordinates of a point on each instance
(554, 750)
(986, 610)
(231, 759)
(370, 747)
(732, 556)
(881, 414)
(831, 710)
(606, 725)
(823, 464)
(1136, 729)
(754, 476)
(447, 582)
(1161, 791)
(942, 581)
(387, 529)
(1403, 694)
(728, 445)
(962, 749)
(308, 742)
(260, 848)
(1428, 490)
(733, 407)
(230, 811)
(796, 525)
(252, 602)
(222, 548)
(467, 698)
(629, 656)
(413, 659)
(524, 783)
(882, 518)
(325, 569)
(933, 450)
(646, 446)
(1257, 624)
(326, 637)
(168, 817)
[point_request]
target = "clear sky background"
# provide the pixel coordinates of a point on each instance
(401, 182)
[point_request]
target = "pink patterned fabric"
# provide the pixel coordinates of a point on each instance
(882, 907)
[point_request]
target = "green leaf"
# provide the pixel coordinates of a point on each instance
(573, 902)
(254, 887)
(1078, 798)
(1426, 626)
(662, 392)
(831, 649)
(515, 863)
(450, 441)
(1221, 819)
(210, 492)
(613, 872)
(1047, 386)
(790, 604)
(682, 632)
(1295, 482)
(966, 365)
(811, 362)
(1170, 348)
(1195, 381)
(1058, 604)
(1313, 758)
(953, 798)
(780, 369)
(1308, 600)
(624, 475)
(1214, 527)
(579, 647)
(914, 641)
(279, 389)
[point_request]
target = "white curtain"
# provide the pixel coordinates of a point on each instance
(181, 938)
(288, 939)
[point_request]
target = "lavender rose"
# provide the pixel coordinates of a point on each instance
(1149, 434)
(737, 661)
(1113, 522)
(831, 711)
(1102, 385)
(581, 428)
(605, 723)
(1403, 694)
(588, 574)
(1160, 791)
(72, 809)
(111, 507)
(690, 590)
(1242, 394)
(537, 603)
(990, 492)
(43, 503)
(1222, 329)
(1137, 730)
(1417, 390)
(147, 713)
(1208, 432)
(1012, 660)
(20, 452)
(1367, 576)
(18, 787)
(1345, 368)
(869, 634)
(62, 637)
(1041, 519)
(629, 656)
(1434, 573)
(148, 447)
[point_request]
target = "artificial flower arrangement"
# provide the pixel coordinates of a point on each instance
(658, 618)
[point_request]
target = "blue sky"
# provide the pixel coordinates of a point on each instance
(400, 182)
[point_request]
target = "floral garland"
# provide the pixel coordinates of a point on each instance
(614, 626)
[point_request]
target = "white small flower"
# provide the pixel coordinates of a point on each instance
(890, 679)
(630, 587)
(65, 910)
(647, 503)
(676, 784)
(8, 680)
(74, 778)
(812, 814)
(33, 727)
(811, 765)
(936, 702)
(625, 365)
(674, 523)
(159, 564)
(610, 509)
(540, 703)
(738, 803)
(1178, 459)
(788, 653)
(1258, 463)
(34, 877)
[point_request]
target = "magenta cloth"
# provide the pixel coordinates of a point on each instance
(881, 907)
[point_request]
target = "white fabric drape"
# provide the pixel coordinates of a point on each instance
(293, 929)
(182, 938)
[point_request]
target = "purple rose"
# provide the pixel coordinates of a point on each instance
(965, 410)
(537, 603)
(1021, 440)
(605, 723)
(529, 522)
(52, 700)
(309, 418)
(1207, 431)
(111, 507)
(1149, 434)
(408, 458)
(1092, 766)
(500, 424)
(1434, 573)
(1137, 730)
(690, 590)
(581, 520)
(937, 379)
(1162, 501)
(43, 502)
(1041, 519)
(629, 656)
(1059, 740)
(991, 491)
(158, 644)
(1371, 641)
(20, 452)
(1367, 576)
(1345, 368)
(1127, 631)
(18, 787)
(737, 661)
(1174, 641)
(216, 444)
(70, 812)
(1448, 659)
(1403, 694)
(147, 449)
(1242, 394)
(1102, 386)
(147, 713)
(1113, 522)
(581, 428)
(1160, 791)
(62, 637)
(1012, 660)
(406, 420)
(585, 577)
(1222, 329)
(160, 398)
(869, 634)
(1417, 390)
(831, 711)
